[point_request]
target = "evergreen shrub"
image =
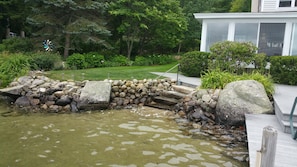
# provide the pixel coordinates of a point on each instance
(16, 44)
(46, 61)
(194, 63)
(76, 61)
(231, 56)
(94, 60)
(283, 69)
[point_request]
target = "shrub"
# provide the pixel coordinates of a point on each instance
(46, 61)
(161, 59)
(231, 56)
(119, 60)
(76, 61)
(16, 44)
(284, 69)
(194, 63)
(94, 60)
(12, 66)
(266, 80)
(217, 79)
(142, 61)
(153, 60)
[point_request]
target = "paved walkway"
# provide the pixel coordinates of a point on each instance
(181, 78)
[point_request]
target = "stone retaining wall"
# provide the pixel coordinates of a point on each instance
(41, 93)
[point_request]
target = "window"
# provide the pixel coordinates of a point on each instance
(271, 38)
(246, 32)
(216, 32)
(293, 49)
(285, 3)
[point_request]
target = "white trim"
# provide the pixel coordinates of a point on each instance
(231, 31)
(287, 38)
(278, 15)
(203, 37)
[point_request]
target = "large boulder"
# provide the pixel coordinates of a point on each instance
(95, 95)
(239, 98)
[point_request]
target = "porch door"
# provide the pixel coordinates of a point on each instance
(271, 38)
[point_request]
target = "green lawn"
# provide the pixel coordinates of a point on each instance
(114, 73)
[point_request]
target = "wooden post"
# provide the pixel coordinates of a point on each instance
(268, 147)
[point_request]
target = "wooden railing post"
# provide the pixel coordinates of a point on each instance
(268, 147)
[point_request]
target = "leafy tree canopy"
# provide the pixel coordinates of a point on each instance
(156, 23)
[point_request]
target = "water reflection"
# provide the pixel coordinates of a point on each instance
(111, 138)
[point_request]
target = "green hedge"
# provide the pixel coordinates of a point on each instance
(284, 69)
(194, 63)
(153, 60)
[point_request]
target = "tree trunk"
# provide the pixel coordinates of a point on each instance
(179, 48)
(22, 34)
(67, 45)
(129, 48)
(7, 33)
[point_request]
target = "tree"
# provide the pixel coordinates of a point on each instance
(240, 6)
(12, 17)
(153, 23)
(73, 20)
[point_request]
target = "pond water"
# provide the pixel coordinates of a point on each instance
(118, 138)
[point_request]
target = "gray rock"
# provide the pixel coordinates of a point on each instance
(95, 95)
(63, 101)
(239, 98)
(23, 101)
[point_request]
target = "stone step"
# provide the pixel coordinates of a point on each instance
(165, 100)
(173, 94)
(284, 112)
(160, 106)
(285, 125)
(183, 89)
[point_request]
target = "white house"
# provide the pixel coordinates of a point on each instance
(271, 26)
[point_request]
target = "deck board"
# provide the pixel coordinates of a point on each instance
(286, 149)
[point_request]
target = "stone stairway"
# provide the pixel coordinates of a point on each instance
(168, 99)
(283, 102)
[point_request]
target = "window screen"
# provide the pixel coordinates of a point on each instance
(285, 3)
(246, 32)
(216, 32)
(271, 38)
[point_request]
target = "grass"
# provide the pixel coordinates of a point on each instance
(114, 73)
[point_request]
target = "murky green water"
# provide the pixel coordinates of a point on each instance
(110, 138)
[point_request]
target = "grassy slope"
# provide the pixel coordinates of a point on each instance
(115, 73)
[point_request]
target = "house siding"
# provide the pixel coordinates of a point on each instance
(269, 5)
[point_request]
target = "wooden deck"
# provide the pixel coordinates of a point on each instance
(286, 150)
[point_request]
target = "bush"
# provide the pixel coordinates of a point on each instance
(194, 63)
(217, 79)
(161, 59)
(46, 61)
(153, 60)
(76, 61)
(94, 60)
(142, 61)
(119, 60)
(284, 69)
(12, 66)
(231, 56)
(16, 44)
